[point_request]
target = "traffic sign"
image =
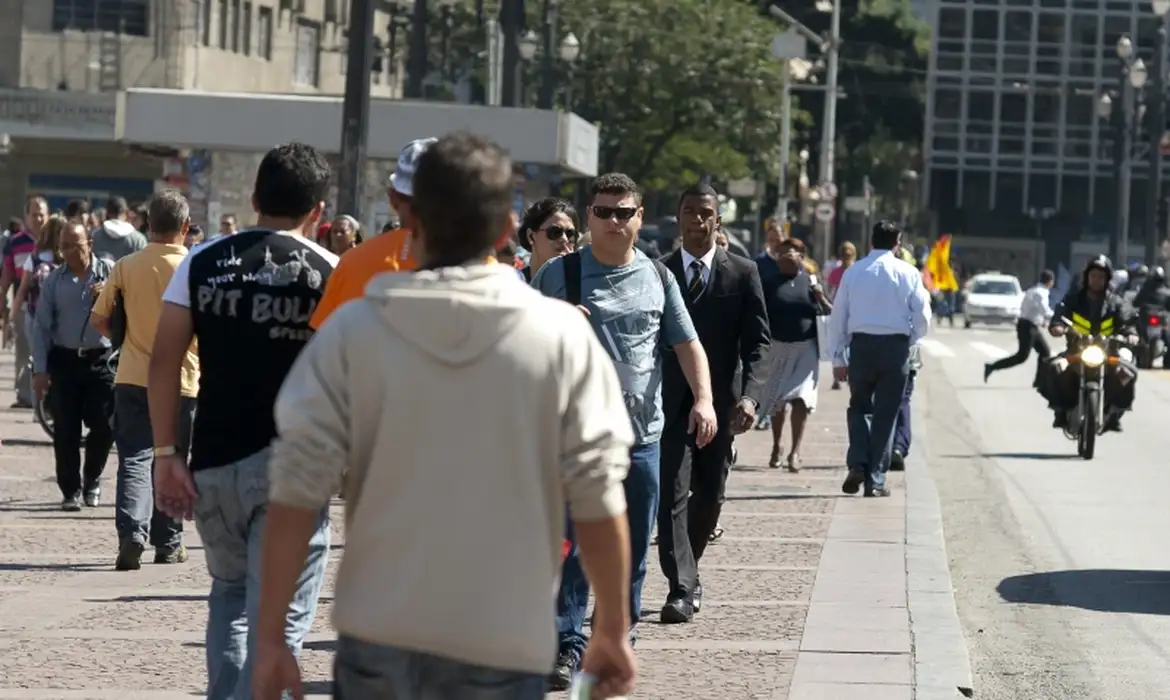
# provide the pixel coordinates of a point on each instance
(825, 212)
(828, 190)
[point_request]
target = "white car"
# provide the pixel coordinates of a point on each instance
(992, 298)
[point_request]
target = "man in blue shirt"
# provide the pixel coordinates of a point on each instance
(637, 310)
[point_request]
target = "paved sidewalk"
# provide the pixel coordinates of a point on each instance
(805, 595)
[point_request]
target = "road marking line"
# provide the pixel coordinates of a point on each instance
(936, 348)
(988, 349)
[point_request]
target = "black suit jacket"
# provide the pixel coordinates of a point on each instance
(732, 322)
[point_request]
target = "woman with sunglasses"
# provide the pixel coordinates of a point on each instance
(548, 230)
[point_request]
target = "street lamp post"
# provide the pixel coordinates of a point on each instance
(1157, 128)
(568, 52)
(416, 62)
(1133, 79)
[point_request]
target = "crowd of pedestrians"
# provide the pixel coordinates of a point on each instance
(262, 372)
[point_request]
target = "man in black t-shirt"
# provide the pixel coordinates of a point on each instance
(247, 299)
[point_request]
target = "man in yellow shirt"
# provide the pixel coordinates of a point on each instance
(389, 252)
(136, 286)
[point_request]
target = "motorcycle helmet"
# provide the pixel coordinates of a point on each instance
(1099, 262)
(1141, 270)
(1158, 273)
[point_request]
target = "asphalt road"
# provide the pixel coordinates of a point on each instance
(1060, 565)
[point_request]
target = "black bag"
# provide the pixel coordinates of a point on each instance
(118, 321)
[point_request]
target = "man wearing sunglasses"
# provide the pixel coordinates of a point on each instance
(637, 309)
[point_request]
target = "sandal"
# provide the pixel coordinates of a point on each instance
(715, 534)
(774, 462)
(794, 463)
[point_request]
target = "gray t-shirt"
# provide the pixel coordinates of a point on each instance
(635, 318)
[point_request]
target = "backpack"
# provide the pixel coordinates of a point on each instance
(41, 270)
(573, 276)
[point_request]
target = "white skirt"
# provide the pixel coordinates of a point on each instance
(793, 372)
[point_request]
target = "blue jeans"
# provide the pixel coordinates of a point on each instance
(878, 368)
(229, 515)
(641, 487)
(902, 433)
(135, 516)
(364, 671)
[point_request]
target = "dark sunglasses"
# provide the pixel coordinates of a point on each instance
(607, 213)
(556, 233)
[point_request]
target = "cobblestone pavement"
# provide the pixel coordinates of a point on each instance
(71, 627)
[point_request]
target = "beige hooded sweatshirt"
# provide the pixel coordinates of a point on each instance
(469, 410)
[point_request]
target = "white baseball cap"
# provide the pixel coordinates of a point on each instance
(402, 179)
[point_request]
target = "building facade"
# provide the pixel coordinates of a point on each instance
(1015, 147)
(62, 63)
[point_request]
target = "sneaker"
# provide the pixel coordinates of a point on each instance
(93, 497)
(71, 504)
(167, 555)
(129, 556)
(562, 674)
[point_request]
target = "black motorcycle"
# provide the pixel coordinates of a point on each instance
(1086, 420)
(1152, 331)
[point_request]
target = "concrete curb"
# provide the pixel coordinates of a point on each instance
(942, 664)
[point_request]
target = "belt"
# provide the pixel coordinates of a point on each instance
(82, 352)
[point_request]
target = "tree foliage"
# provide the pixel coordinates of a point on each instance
(679, 88)
(883, 62)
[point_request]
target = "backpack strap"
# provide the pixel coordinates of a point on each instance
(572, 263)
(664, 274)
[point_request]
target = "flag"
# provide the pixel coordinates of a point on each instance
(938, 266)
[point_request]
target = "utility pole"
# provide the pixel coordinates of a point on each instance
(416, 65)
(829, 123)
(1120, 248)
(511, 22)
(548, 59)
(785, 140)
(1157, 128)
(356, 110)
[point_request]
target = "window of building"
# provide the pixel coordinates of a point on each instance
(1115, 27)
(1081, 110)
(247, 30)
(222, 25)
(980, 106)
(1074, 198)
(204, 22)
(985, 25)
(121, 16)
(976, 190)
(308, 53)
(1050, 29)
(236, 26)
(331, 11)
(952, 23)
(1017, 26)
(1009, 191)
(1013, 108)
(947, 104)
(264, 32)
(1046, 108)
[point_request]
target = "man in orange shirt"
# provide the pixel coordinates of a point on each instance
(389, 252)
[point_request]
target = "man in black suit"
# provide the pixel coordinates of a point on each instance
(726, 302)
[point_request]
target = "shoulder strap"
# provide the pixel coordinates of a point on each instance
(572, 263)
(664, 274)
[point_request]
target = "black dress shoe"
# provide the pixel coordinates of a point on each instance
(697, 597)
(877, 493)
(853, 481)
(562, 674)
(677, 612)
(897, 462)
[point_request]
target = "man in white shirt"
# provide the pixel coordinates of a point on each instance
(881, 310)
(1035, 313)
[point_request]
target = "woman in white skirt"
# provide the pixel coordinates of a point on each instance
(795, 299)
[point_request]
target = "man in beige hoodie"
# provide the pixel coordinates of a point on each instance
(453, 542)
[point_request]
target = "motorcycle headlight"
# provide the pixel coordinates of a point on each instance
(1125, 354)
(1092, 356)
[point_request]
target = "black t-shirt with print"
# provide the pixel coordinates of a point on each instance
(251, 295)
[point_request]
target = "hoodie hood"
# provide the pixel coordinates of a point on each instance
(453, 314)
(116, 228)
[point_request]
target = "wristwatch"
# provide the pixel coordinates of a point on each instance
(165, 451)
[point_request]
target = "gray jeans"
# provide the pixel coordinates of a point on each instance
(135, 516)
(364, 671)
(230, 513)
(23, 380)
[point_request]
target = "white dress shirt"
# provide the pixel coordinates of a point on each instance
(879, 295)
(708, 259)
(1034, 308)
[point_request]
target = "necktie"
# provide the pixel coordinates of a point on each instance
(695, 287)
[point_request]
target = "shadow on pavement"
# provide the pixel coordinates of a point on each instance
(779, 496)
(76, 566)
(22, 442)
(1102, 590)
(1037, 456)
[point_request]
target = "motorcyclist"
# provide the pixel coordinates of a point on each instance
(1138, 274)
(1093, 310)
(1154, 294)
